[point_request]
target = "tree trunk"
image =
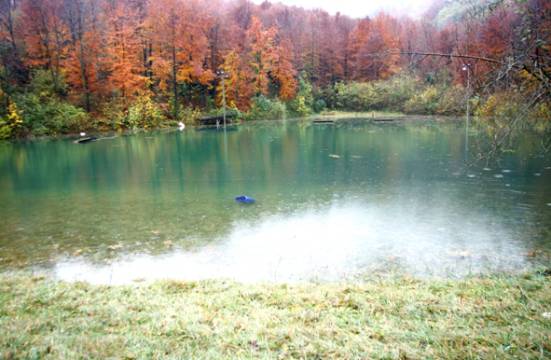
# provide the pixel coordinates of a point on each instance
(174, 83)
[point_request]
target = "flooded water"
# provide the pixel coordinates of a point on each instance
(333, 202)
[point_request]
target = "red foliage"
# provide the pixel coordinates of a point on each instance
(106, 48)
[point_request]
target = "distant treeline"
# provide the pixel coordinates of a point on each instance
(74, 64)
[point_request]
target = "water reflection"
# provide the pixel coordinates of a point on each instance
(333, 243)
(162, 200)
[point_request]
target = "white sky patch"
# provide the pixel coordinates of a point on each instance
(360, 9)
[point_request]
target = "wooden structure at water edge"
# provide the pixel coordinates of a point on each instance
(216, 120)
(370, 119)
(323, 121)
(85, 140)
(384, 120)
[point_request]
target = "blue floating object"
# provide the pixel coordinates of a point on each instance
(245, 199)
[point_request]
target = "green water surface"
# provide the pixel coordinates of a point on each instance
(332, 200)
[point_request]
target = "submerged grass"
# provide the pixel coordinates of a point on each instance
(492, 317)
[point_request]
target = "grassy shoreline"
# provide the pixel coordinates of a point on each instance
(503, 316)
(332, 115)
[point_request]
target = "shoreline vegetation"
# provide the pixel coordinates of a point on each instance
(147, 115)
(51, 116)
(335, 115)
(332, 115)
(98, 65)
(500, 316)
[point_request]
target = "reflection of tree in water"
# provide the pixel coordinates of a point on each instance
(154, 192)
(498, 136)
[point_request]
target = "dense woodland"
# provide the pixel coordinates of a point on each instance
(68, 65)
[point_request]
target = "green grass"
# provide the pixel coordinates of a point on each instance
(391, 318)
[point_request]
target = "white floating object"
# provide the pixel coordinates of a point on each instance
(498, 176)
(471, 176)
(487, 169)
(82, 133)
(506, 171)
(537, 174)
(334, 156)
(181, 126)
(548, 204)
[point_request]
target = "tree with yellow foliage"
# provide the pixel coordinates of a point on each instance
(12, 122)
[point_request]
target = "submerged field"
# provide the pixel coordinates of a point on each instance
(506, 316)
(334, 201)
(405, 202)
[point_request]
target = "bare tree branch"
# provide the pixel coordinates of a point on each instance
(540, 75)
(494, 61)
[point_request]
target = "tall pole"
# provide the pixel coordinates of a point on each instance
(466, 68)
(224, 99)
(468, 92)
(222, 75)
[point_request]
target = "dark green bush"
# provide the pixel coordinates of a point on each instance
(230, 112)
(389, 94)
(403, 93)
(44, 83)
(320, 105)
(439, 100)
(266, 109)
(452, 101)
(44, 115)
(41, 110)
(425, 102)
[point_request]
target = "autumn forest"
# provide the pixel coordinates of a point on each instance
(68, 65)
(264, 179)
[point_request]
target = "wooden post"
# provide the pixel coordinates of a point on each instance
(224, 99)
(222, 75)
(466, 68)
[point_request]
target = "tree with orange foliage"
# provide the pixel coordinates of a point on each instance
(126, 71)
(375, 48)
(332, 51)
(262, 53)
(263, 63)
(180, 45)
(283, 71)
(238, 83)
(193, 51)
(344, 26)
(45, 36)
(496, 34)
(84, 51)
(11, 62)
(7, 23)
(358, 41)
